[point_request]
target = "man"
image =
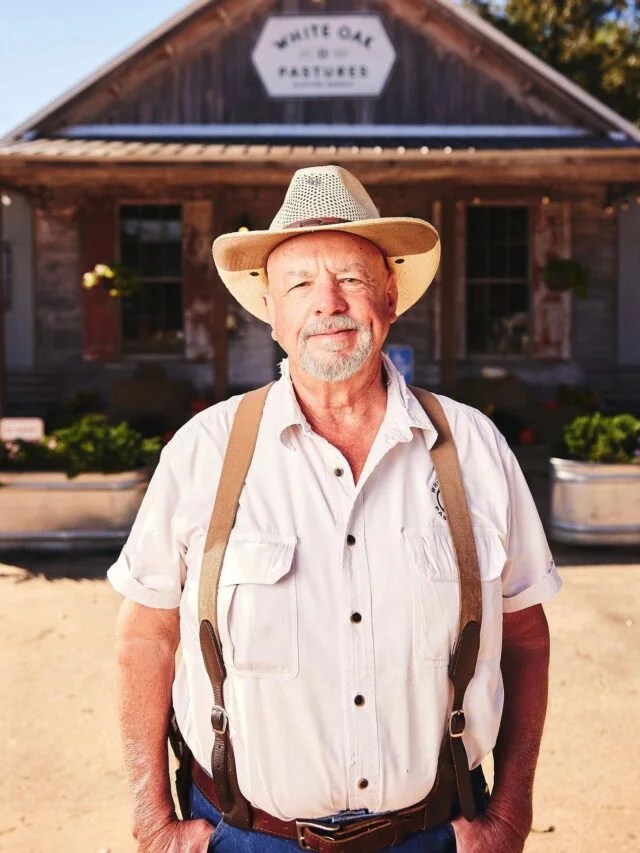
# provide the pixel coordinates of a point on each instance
(338, 601)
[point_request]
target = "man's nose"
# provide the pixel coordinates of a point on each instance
(329, 296)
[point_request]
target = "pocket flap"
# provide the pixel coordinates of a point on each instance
(257, 558)
(433, 553)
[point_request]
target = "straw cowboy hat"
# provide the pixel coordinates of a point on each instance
(328, 198)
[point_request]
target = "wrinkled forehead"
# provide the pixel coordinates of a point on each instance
(337, 248)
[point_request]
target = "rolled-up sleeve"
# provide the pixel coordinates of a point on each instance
(530, 575)
(151, 569)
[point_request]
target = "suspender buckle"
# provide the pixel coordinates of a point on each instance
(457, 723)
(219, 720)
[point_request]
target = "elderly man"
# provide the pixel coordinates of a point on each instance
(356, 678)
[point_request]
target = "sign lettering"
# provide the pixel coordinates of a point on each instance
(323, 56)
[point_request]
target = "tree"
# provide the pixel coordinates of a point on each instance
(595, 43)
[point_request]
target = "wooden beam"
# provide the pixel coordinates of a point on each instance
(153, 176)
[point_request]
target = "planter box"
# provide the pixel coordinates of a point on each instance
(50, 511)
(593, 503)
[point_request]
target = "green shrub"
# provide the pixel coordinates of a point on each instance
(603, 438)
(91, 444)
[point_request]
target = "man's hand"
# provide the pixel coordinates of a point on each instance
(486, 833)
(178, 836)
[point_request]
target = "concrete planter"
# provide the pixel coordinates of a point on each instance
(594, 503)
(49, 510)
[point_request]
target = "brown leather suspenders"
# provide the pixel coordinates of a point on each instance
(453, 768)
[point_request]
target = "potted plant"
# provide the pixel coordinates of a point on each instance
(595, 491)
(80, 485)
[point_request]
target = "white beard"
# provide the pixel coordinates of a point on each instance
(335, 366)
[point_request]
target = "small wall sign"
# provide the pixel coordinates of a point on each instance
(27, 429)
(323, 56)
(403, 360)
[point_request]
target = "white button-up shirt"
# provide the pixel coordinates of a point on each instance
(338, 604)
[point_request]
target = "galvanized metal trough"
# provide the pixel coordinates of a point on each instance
(50, 511)
(594, 503)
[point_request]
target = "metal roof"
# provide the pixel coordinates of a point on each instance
(182, 152)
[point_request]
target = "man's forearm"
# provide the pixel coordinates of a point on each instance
(145, 669)
(525, 672)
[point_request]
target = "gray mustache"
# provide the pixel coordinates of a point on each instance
(322, 325)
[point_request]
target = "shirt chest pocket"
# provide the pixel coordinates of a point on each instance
(436, 601)
(257, 607)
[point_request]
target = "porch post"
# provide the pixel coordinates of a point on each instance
(448, 319)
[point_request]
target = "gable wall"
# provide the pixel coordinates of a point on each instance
(439, 78)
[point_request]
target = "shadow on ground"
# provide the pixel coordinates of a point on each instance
(23, 565)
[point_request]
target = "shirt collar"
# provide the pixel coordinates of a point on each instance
(404, 412)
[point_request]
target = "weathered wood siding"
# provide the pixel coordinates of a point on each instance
(594, 239)
(58, 316)
(438, 78)
(551, 310)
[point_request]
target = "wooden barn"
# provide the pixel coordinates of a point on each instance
(196, 130)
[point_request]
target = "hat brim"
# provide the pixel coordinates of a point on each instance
(410, 246)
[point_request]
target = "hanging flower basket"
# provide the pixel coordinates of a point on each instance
(562, 274)
(119, 281)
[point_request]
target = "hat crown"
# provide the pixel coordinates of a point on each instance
(324, 192)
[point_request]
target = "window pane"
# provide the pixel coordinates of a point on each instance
(497, 279)
(518, 261)
(152, 319)
(151, 246)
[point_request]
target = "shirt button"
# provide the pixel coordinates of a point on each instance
(338, 472)
(359, 700)
(356, 617)
(351, 540)
(363, 783)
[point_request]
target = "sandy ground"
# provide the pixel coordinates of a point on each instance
(62, 787)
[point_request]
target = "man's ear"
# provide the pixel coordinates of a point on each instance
(392, 297)
(268, 302)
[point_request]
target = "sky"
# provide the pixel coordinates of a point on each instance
(48, 46)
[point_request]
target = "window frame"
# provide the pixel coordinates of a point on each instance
(483, 357)
(163, 201)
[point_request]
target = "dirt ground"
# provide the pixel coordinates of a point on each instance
(62, 785)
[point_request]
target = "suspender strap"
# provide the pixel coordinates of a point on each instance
(463, 661)
(242, 442)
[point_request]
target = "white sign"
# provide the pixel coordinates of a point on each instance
(320, 56)
(28, 429)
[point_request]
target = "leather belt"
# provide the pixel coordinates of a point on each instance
(360, 836)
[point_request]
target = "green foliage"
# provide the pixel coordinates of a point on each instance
(604, 438)
(564, 274)
(595, 43)
(91, 444)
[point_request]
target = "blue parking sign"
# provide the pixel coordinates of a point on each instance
(402, 357)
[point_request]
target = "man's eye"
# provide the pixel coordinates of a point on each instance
(299, 284)
(350, 281)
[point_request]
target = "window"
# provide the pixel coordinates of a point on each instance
(497, 280)
(151, 246)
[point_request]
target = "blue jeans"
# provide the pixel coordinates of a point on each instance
(228, 839)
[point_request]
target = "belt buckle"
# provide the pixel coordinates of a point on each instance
(219, 720)
(320, 828)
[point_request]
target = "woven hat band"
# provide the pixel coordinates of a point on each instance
(310, 223)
